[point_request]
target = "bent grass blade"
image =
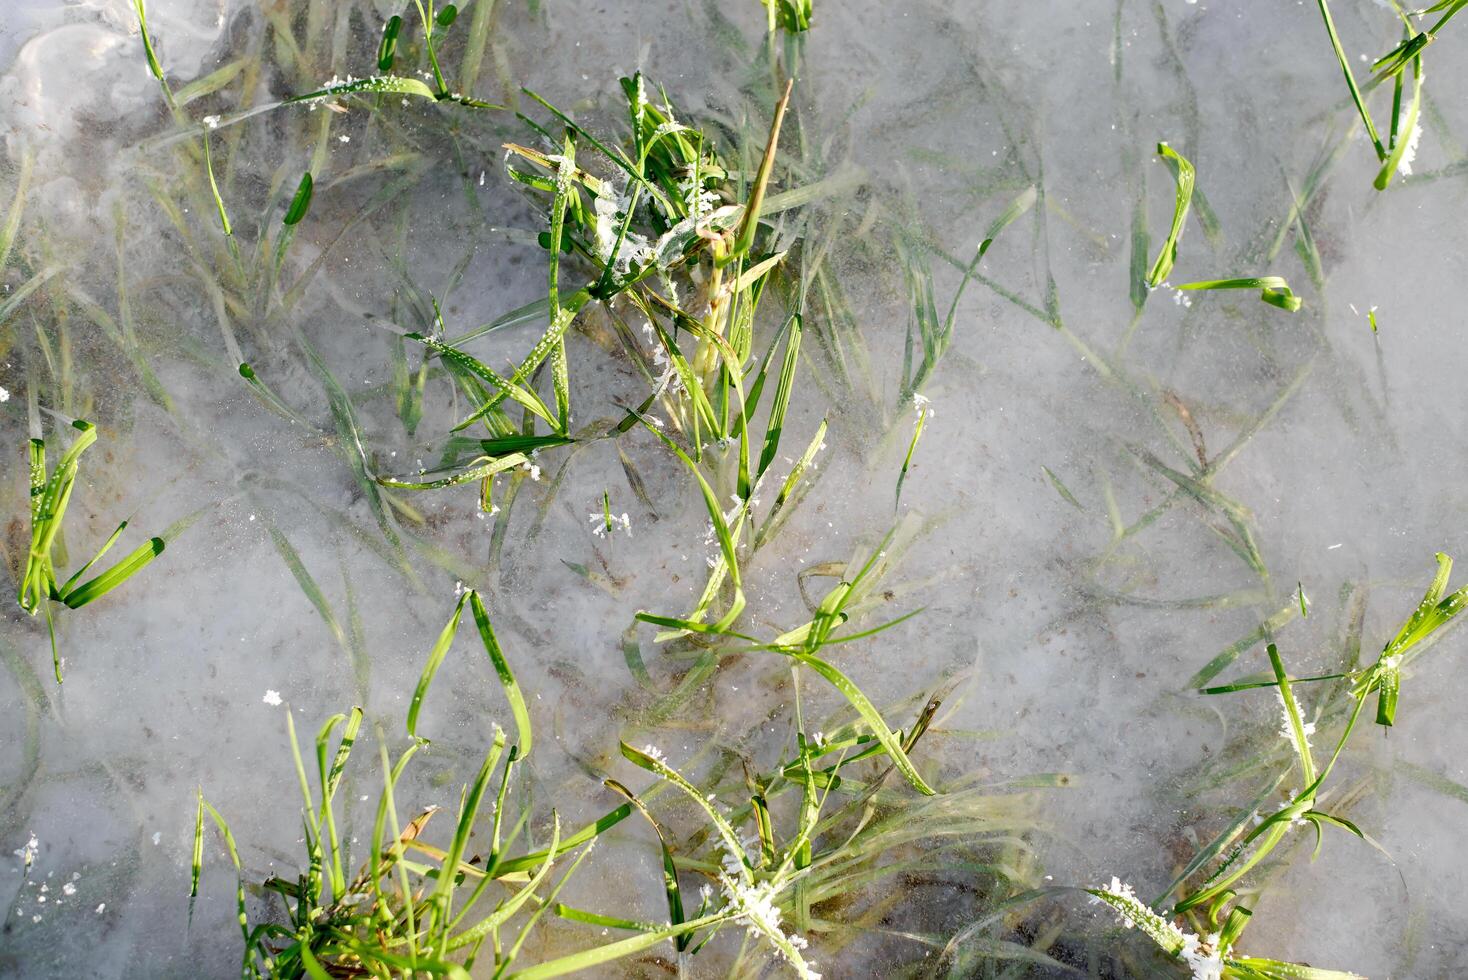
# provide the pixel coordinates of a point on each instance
(1184, 175)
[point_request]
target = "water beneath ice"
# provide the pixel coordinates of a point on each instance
(1067, 649)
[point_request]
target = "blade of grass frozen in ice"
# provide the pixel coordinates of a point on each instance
(922, 413)
(506, 677)
(1296, 723)
(387, 47)
(597, 919)
(744, 240)
(153, 66)
(793, 486)
(670, 871)
(936, 335)
(375, 85)
(214, 191)
(1356, 96)
(300, 202)
(477, 471)
(1272, 290)
(17, 209)
(19, 295)
(522, 395)
(1062, 489)
(1404, 137)
(350, 443)
(775, 427)
(234, 855)
(436, 654)
(307, 583)
(872, 716)
(1141, 242)
(106, 547)
(651, 760)
(1305, 245)
(114, 576)
(1184, 175)
(722, 532)
(270, 399)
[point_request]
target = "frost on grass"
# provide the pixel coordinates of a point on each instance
(755, 907)
(602, 525)
(1404, 165)
(1286, 727)
(1200, 954)
(612, 208)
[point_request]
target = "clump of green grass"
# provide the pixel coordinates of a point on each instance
(1398, 148)
(791, 16)
(411, 907)
(414, 907)
(50, 495)
(804, 644)
(664, 230)
(249, 276)
(660, 214)
(1214, 907)
(819, 828)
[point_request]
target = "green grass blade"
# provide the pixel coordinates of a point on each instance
(1273, 289)
(435, 660)
(153, 66)
(114, 576)
(871, 716)
(1340, 55)
(301, 201)
(776, 425)
(376, 85)
(744, 241)
(1185, 175)
(653, 763)
(473, 365)
(670, 870)
(502, 670)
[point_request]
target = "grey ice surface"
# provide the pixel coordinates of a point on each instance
(1069, 664)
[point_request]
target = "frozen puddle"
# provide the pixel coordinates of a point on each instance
(1022, 502)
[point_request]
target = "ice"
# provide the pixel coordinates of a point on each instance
(1062, 647)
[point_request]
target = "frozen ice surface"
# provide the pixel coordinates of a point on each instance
(1070, 649)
